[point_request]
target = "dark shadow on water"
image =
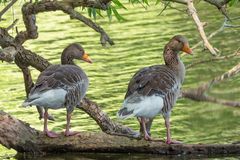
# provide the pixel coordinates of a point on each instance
(120, 156)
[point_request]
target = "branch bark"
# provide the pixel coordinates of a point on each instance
(193, 12)
(199, 94)
(21, 137)
(25, 58)
(5, 9)
(29, 11)
(227, 57)
(18, 135)
(221, 6)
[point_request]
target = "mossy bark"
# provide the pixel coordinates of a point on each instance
(20, 136)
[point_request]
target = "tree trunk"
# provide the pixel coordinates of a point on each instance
(20, 136)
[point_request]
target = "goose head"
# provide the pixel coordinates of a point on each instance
(74, 51)
(179, 43)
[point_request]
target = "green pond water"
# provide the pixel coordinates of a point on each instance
(139, 42)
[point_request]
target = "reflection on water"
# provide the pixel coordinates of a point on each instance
(122, 156)
(139, 43)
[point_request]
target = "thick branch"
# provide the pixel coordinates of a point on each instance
(105, 123)
(21, 137)
(193, 12)
(99, 4)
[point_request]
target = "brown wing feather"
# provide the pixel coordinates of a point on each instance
(59, 76)
(157, 79)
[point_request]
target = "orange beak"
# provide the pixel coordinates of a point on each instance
(86, 58)
(187, 49)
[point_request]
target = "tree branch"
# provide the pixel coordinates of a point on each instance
(237, 53)
(178, 1)
(5, 9)
(221, 5)
(29, 11)
(21, 137)
(224, 25)
(104, 37)
(193, 12)
(25, 58)
(12, 25)
(199, 94)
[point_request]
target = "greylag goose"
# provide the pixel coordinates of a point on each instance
(154, 90)
(61, 86)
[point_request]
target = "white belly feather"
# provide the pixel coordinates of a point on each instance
(146, 106)
(53, 99)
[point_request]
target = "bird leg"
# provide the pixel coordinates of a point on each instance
(41, 114)
(45, 130)
(148, 125)
(67, 132)
(169, 140)
(146, 135)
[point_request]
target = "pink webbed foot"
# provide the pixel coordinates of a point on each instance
(51, 134)
(173, 142)
(71, 133)
(147, 137)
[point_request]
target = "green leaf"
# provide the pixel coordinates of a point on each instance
(146, 2)
(118, 16)
(99, 12)
(89, 12)
(119, 4)
(157, 2)
(109, 13)
(233, 2)
(94, 13)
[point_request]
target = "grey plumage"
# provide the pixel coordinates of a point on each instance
(61, 86)
(155, 89)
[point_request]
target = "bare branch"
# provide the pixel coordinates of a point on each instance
(178, 1)
(12, 25)
(104, 37)
(29, 11)
(199, 94)
(224, 25)
(5, 9)
(221, 5)
(99, 4)
(213, 59)
(230, 73)
(193, 12)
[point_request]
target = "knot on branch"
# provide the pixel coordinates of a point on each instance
(8, 54)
